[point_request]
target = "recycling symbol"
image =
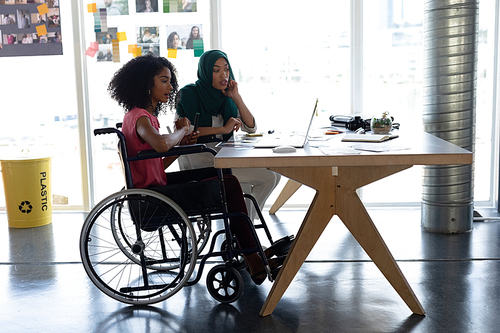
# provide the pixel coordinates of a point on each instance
(25, 207)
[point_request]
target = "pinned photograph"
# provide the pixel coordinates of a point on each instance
(105, 37)
(23, 19)
(148, 39)
(114, 7)
(181, 37)
(7, 19)
(146, 6)
(179, 6)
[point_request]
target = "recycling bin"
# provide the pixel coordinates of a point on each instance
(27, 187)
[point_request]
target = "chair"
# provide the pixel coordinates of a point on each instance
(140, 247)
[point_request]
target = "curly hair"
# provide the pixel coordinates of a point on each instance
(132, 83)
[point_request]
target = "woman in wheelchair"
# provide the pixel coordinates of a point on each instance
(145, 87)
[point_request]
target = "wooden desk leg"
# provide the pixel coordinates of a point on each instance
(337, 195)
(290, 188)
(353, 214)
(317, 218)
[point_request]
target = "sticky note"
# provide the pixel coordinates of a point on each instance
(41, 30)
(92, 8)
(42, 9)
(137, 51)
(131, 48)
(90, 52)
(121, 36)
(94, 45)
(172, 53)
(198, 47)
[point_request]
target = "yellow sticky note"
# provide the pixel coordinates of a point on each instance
(92, 8)
(42, 9)
(121, 36)
(131, 48)
(172, 53)
(41, 30)
(137, 51)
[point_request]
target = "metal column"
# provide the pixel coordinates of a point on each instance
(449, 83)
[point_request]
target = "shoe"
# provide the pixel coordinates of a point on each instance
(280, 247)
(275, 265)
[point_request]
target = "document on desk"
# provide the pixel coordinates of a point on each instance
(368, 137)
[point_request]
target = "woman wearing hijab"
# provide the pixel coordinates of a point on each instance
(216, 97)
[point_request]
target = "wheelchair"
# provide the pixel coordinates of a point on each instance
(140, 247)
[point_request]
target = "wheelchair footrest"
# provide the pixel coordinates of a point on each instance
(282, 245)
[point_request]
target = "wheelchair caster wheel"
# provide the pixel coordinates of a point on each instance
(224, 284)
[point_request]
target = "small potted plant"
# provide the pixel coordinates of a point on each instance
(381, 125)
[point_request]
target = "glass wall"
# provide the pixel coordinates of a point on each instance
(143, 31)
(284, 57)
(300, 52)
(39, 112)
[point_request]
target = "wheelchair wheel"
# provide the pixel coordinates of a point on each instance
(137, 246)
(224, 283)
(203, 227)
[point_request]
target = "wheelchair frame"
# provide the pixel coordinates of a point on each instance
(138, 264)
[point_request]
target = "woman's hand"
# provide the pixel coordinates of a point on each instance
(182, 124)
(190, 139)
(232, 89)
(233, 124)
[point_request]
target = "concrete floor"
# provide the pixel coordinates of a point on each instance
(44, 288)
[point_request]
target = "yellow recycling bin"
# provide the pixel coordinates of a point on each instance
(26, 182)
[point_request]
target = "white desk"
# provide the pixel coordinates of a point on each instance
(335, 179)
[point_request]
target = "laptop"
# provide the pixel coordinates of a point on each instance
(287, 139)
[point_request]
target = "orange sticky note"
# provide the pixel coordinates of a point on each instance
(121, 36)
(92, 8)
(42, 9)
(41, 30)
(131, 48)
(172, 53)
(137, 51)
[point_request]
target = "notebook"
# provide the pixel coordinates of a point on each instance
(369, 137)
(287, 139)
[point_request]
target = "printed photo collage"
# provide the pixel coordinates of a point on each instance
(166, 40)
(26, 24)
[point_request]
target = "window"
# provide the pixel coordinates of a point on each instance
(39, 114)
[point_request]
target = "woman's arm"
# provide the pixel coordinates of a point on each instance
(162, 142)
(233, 93)
(233, 124)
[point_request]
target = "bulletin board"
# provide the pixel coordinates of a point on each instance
(30, 28)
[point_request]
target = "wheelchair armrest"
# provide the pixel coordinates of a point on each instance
(107, 130)
(177, 150)
(208, 138)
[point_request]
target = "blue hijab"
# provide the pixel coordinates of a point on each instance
(202, 97)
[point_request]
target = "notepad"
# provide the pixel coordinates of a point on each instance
(369, 137)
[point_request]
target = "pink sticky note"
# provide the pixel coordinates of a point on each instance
(41, 30)
(90, 52)
(94, 46)
(42, 9)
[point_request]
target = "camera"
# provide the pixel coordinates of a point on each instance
(357, 123)
(351, 122)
